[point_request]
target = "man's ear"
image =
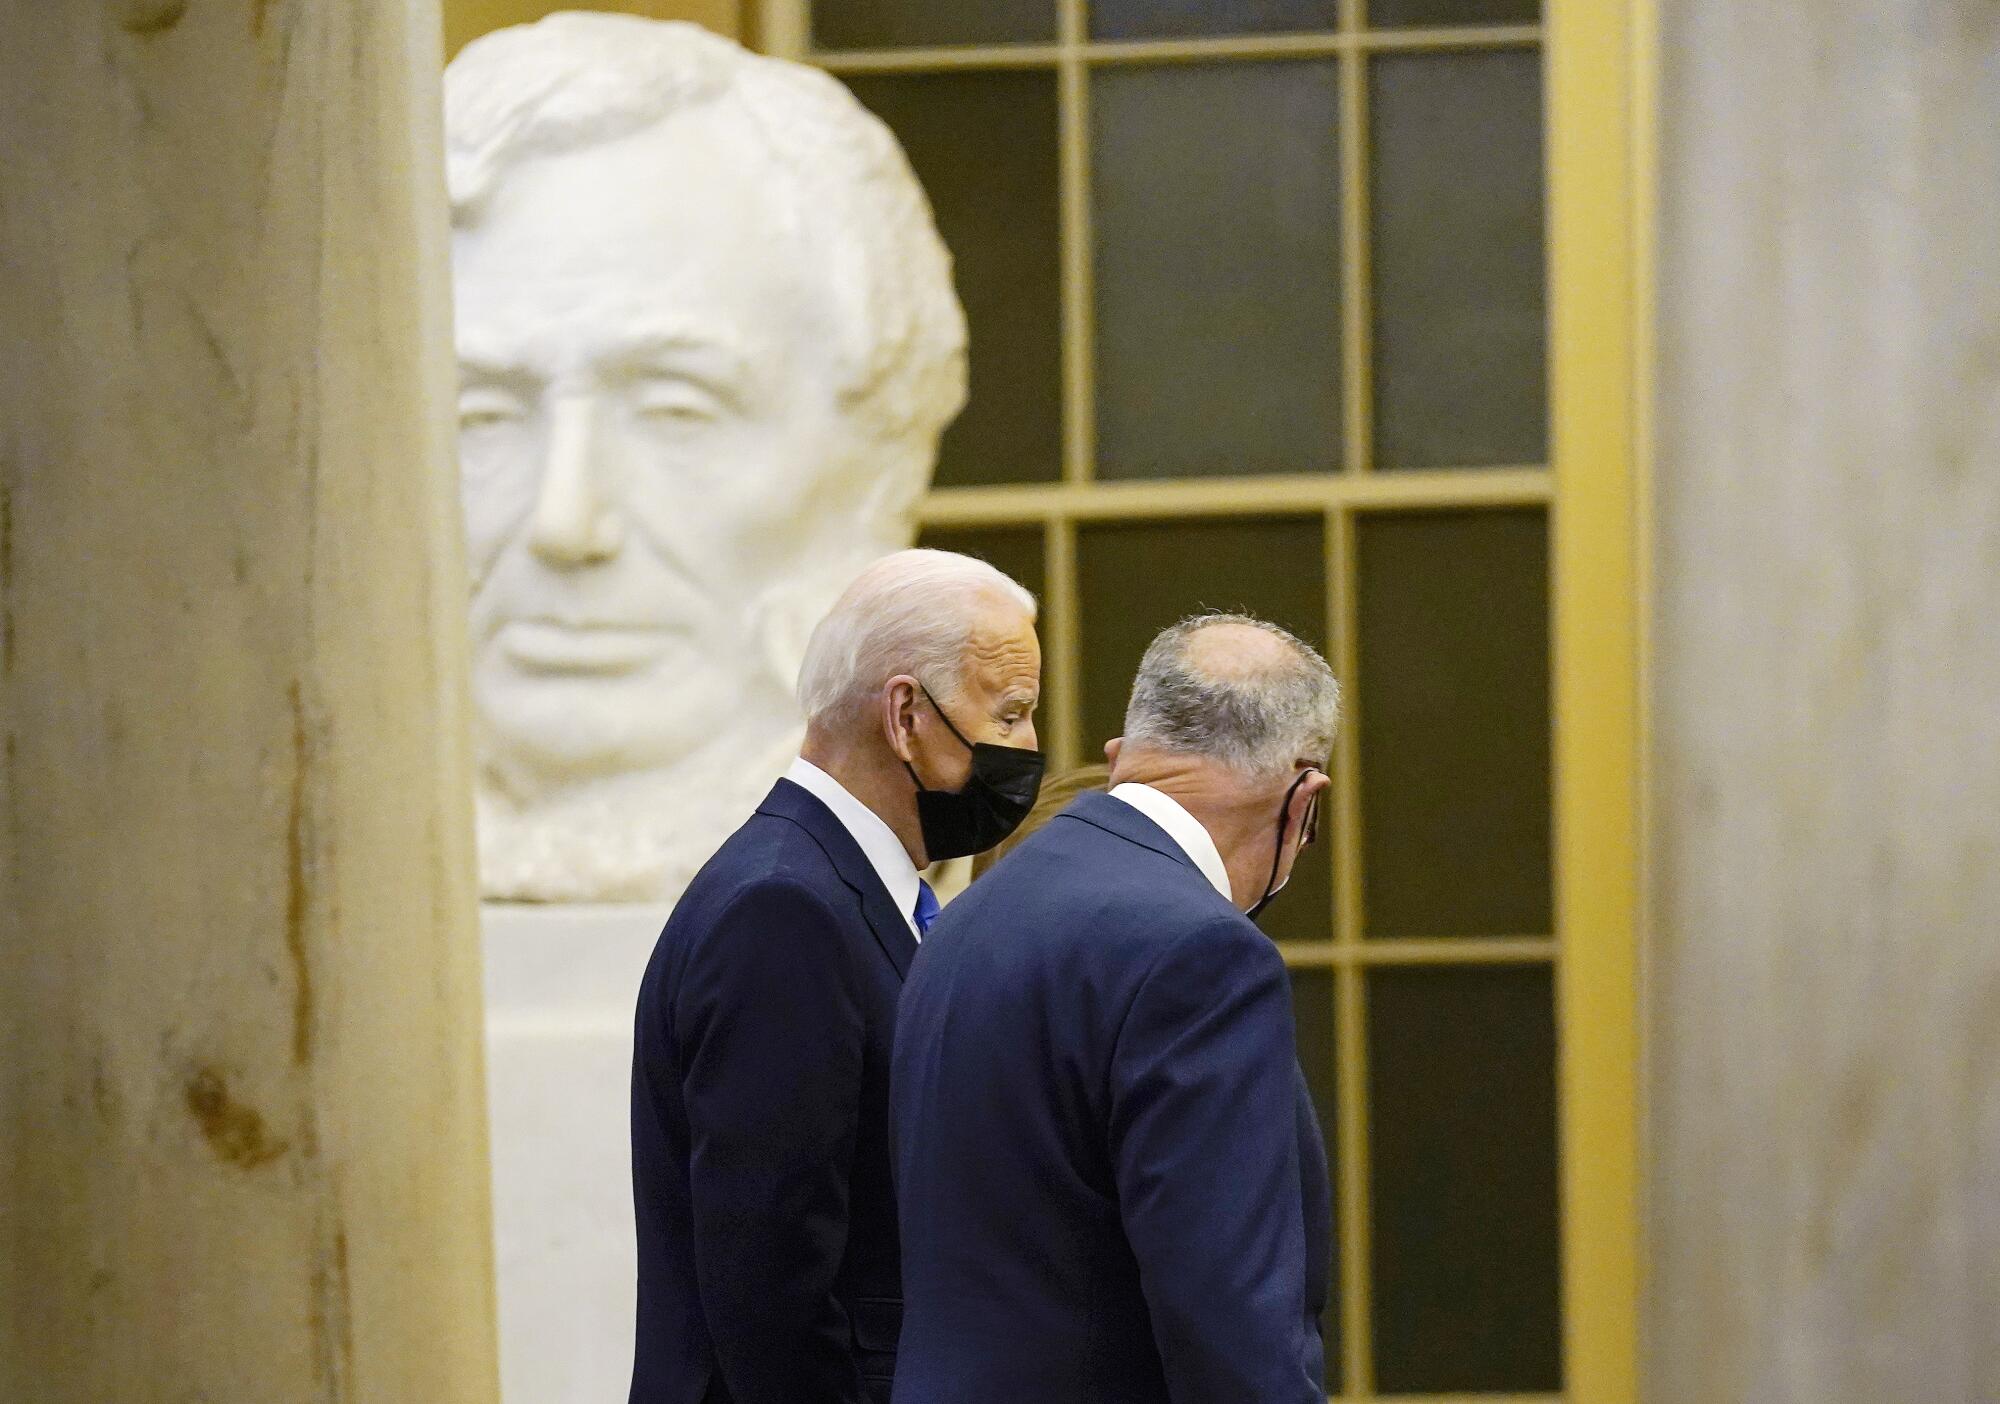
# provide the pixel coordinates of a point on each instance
(1112, 748)
(899, 715)
(1306, 793)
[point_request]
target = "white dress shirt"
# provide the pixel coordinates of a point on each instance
(1182, 827)
(878, 842)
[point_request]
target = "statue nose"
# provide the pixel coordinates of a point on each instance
(575, 522)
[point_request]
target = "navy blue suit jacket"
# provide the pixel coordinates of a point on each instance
(1112, 1186)
(768, 1268)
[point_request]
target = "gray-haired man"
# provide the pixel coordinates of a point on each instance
(1111, 1184)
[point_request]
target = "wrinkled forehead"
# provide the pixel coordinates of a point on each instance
(688, 219)
(1003, 655)
(698, 145)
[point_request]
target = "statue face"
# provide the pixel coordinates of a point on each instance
(649, 416)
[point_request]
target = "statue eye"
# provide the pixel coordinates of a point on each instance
(675, 403)
(483, 407)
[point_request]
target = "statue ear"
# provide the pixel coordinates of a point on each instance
(783, 617)
(859, 530)
(885, 504)
(781, 622)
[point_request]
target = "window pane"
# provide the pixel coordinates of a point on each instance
(1460, 295)
(984, 145)
(1454, 717)
(1462, 1155)
(1218, 274)
(1393, 14)
(1138, 578)
(1167, 19)
(895, 24)
(1018, 551)
(1313, 1018)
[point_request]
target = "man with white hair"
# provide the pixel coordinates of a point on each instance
(768, 1256)
(1112, 1184)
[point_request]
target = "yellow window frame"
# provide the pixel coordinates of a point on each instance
(1599, 58)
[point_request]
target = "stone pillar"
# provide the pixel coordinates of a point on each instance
(243, 1128)
(1824, 972)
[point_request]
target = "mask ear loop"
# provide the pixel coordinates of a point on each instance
(958, 735)
(1278, 848)
(943, 717)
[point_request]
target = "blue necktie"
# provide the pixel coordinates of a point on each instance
(927, 907)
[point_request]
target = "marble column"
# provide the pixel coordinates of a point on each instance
(240, 1084)
(1824, 969)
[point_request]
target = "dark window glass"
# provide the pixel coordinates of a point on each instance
(1397, 14)
(1217, 231)
(1169, 19)
(898, 24)
(1313, 1017)
(984, 146)
(1017, 550)
(1460, 289)
(1462, 1154)
(1454, 722)
(1138, 578)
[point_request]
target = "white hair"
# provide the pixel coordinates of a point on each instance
(911, 612)
(1259, 712)
(842, 184)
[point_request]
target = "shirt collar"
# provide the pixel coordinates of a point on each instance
(1182, 827)
(878, 842)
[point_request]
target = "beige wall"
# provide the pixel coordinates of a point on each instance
(1824, 970)
(466, 20)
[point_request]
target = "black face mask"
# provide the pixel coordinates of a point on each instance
(1272, 887)
(996, 798)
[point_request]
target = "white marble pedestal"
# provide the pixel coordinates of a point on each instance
(560, 988)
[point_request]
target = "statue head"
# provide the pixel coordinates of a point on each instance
(707, 341)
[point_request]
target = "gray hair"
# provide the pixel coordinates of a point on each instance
(1258, 713)
(910, 612)
(580, 79)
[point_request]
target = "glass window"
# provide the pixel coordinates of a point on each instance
(896, 24)
(984, 146)
(1393, 14)
(1174, 19)
(1017, 550)
(1217, 228)
(1462, 1155)
(1460, 289)
(1454, 722)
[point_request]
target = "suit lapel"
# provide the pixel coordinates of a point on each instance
(891, 928)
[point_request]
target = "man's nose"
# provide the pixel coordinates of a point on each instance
(575, 520)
